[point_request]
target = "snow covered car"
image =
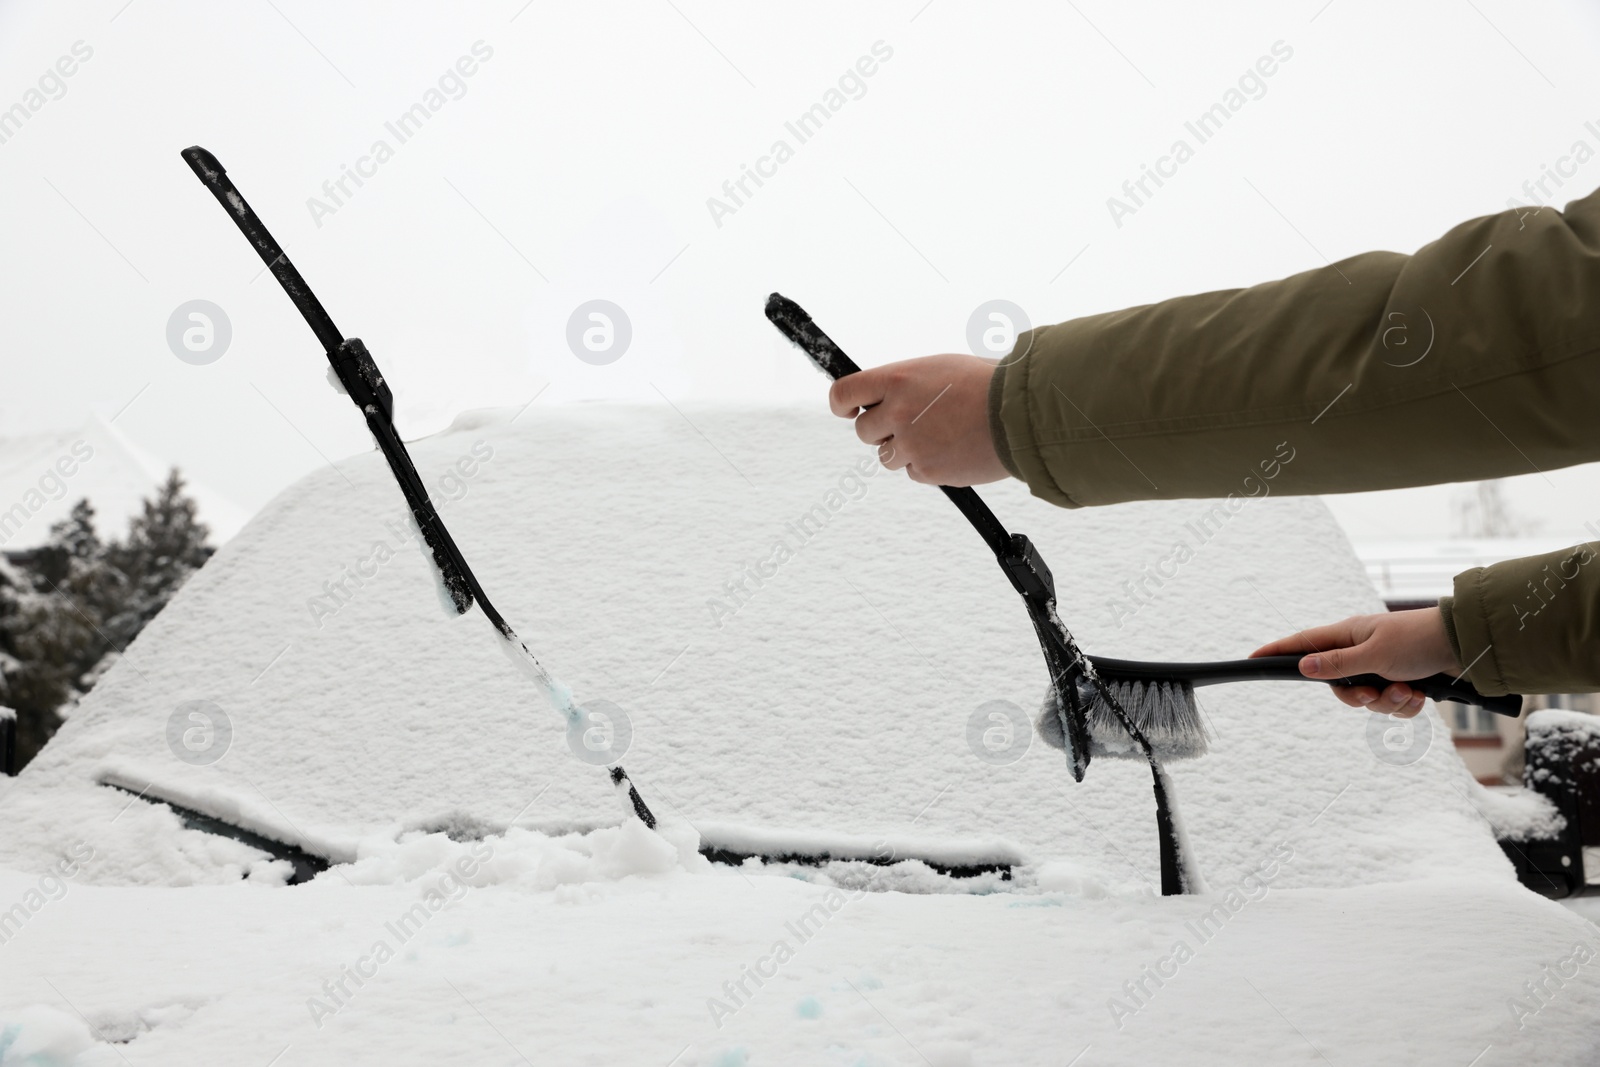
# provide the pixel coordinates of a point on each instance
(823, 688)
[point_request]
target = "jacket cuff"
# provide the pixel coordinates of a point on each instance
(1011, 417)
(1447, 611)
(997, 425)
(1467, 623)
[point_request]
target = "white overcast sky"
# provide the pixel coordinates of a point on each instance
(578, 162)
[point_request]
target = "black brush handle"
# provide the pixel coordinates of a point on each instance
(1287, 668)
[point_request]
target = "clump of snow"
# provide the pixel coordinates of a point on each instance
(1068, 877)
(118, 839)
(949, 852)
(906, 876)
(41, 1036)
(524, 858)
(1563, 720)
(556, 692)
(125, 1026)
(1563, 749)
(1516, 813)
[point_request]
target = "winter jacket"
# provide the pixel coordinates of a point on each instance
(1476, 357)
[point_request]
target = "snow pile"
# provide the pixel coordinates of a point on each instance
(1517, 814)
(1568, 737)
(125, 841)
(947, 852)
(1565, 721)
(523, 858)
(711, 970)
(790, 644)
(903, 876)
(41, 1036)
(1564, 758)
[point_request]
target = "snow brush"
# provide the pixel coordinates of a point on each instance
(365, 384)
(1160, 698)
(1076, 689)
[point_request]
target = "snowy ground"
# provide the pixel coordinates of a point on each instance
(1360, 911)
(622, 972)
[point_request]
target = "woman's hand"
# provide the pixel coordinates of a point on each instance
(1397, 644)
(929, 416)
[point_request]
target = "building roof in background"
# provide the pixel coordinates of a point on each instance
(1407, 571)
(43, 475)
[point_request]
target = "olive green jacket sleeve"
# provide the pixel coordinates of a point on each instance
(1477, 357)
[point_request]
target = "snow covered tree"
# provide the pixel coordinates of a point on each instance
(12, 585)
(73, 605)
(73, 538)
(53, 626)
(166, 543)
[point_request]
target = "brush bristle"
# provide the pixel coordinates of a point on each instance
(1165, 712)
